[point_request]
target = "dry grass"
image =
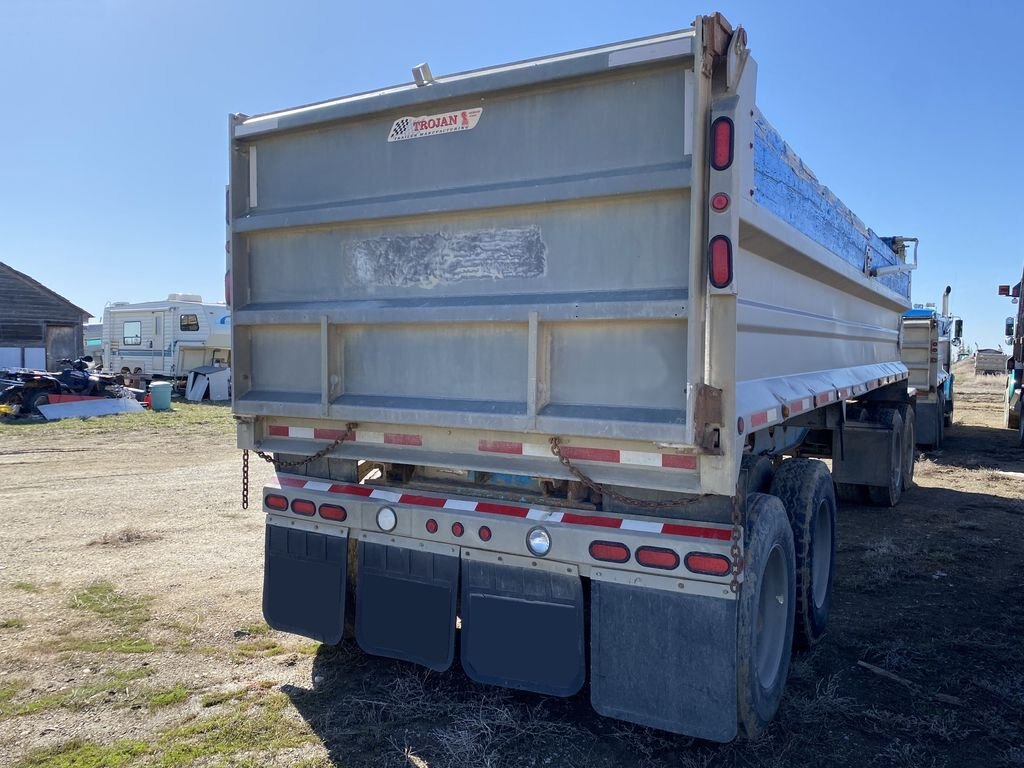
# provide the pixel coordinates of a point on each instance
(125, 537)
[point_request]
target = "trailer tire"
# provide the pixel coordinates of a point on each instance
(889, 495)
(805, 488)
(766, 602)
(909, 417)
(1020, 432)
(759, 471)
(940, 428)
(34, 399)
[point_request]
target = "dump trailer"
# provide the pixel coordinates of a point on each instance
(545, 355)
(1013, 408)
(927, 339)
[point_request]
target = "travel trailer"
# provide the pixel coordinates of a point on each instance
(166, 339)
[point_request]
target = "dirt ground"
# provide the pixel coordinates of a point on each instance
(131, 633)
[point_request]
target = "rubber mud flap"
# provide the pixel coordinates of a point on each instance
(405, 604)
(304, 583)
(523, 628)
(664, 660)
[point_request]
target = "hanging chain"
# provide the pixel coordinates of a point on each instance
(734, 549)
(679, 501)
(245, 479)
(350, 430)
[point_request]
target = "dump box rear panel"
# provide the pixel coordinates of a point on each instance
(531, 264)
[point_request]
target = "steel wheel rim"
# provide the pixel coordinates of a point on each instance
(821, 554)
(771, 617)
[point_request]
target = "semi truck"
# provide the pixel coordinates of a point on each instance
(928, 338)
(547, 357)
(1014, 331)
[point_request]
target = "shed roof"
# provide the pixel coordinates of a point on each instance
(39, 286)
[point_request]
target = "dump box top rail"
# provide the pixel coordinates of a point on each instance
(522, 249)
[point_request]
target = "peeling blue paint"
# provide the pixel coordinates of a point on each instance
(790, 190)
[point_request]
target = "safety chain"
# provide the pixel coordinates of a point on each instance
(734, 550)
(245, 479)
(350, 429)
(680, 501)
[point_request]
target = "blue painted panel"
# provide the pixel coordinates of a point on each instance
(790, 190)
(923, 313)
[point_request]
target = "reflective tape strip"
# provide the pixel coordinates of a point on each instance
(565, 517)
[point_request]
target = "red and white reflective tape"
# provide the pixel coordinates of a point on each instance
(358, 436)
(541, 450)
(691, 530)
(771, 416)
(607, 455)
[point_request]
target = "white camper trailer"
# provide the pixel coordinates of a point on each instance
(166, 339)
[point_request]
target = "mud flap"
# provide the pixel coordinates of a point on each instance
(522, 628)
(405, 604)
(664, 660)
(304, 583)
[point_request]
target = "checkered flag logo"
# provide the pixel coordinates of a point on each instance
(400, 127)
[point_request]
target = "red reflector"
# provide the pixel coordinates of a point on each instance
(720, 201)
(431, 525)
(276, 502)
(1004, 290)
(303, 507)
(333, 512)
(484, 533)
(721, 143)
(609, 551)
(227, 286)
(710, 565)
(458, 529)
(656, 557)
(720, 261)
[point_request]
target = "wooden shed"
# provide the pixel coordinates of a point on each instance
(38, 327)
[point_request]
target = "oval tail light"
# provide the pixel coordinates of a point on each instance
(276, 501)
(303, 507)
(609, 551)
(333, 512)
(720, 261)
(721, 143)
(657, 557)
(708, 564)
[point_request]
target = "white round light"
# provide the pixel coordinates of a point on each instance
(386, 519)
(538, 542)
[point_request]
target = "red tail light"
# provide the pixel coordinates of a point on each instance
(609, 551)
(719, 202)
(431, 525)
(656, 557)
(227, 287)
(458, 529)
(721, 143)
(274, 501)
(333, 512)
(709, 565)
(720, 261)
(484, 533)
(303, 507)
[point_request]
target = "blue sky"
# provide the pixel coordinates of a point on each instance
(114, 130)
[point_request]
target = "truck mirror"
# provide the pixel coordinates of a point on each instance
(1009, 329)
(958, 329)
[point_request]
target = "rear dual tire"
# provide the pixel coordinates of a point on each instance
(804, 486)
(766, 611)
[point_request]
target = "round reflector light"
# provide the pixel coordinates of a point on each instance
(431, 525)
(386, 519)
(458, 529)
(484, 533)
(720, 202)
(538, 542)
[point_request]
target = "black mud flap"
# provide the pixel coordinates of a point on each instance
(664, 660)
(304, 583)
(405, 604)
(523, 628)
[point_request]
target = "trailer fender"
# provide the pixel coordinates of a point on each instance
(304, 582)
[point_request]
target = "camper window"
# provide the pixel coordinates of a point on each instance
(132, 333)
(189, 322)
